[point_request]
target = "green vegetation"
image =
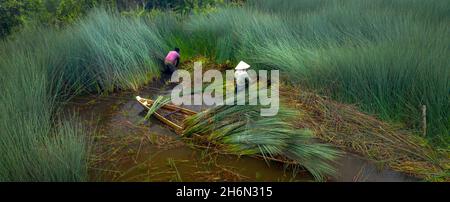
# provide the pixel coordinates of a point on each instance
(15, 13)
(388, 57)
(42, 68)
(34, 146)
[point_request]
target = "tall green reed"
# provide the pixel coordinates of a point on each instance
(42, 67)
(388, 57)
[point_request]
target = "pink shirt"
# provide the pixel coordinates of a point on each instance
(172, 56)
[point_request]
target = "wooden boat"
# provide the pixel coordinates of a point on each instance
(171, 115)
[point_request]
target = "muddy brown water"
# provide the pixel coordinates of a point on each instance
(127, 148)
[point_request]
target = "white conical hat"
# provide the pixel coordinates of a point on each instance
(242, 65)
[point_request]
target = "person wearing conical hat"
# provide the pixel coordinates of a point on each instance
(241, 75)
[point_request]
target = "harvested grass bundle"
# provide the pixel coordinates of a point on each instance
(159, 102)
(239, 129)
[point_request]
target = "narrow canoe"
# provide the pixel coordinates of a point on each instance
(171, 115)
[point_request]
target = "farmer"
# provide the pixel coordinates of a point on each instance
(241, 75)
(172, 60)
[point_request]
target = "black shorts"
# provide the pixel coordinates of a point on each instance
(169, 68)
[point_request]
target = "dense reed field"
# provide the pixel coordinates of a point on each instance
(34, 146)
(42, 68)
(389, 57)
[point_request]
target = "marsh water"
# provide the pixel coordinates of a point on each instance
(125, 147)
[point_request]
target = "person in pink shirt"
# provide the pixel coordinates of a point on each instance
(172, 60)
